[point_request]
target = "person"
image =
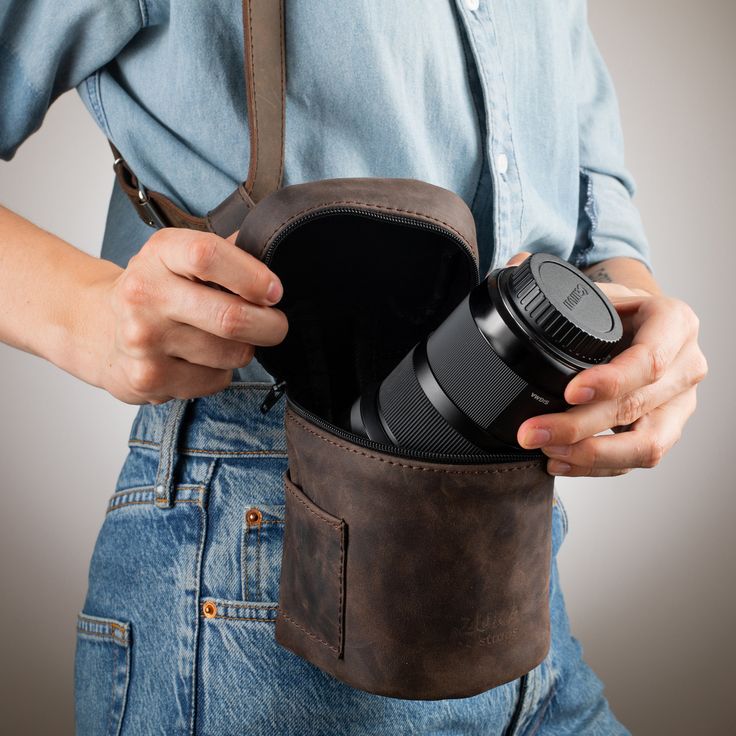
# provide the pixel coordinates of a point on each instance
(511, 107)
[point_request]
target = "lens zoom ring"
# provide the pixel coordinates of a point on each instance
(415, 423)
(469, 370)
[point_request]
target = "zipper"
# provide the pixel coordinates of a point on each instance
(274, 394)
(437, 457)
(408, 221)
(279, 387)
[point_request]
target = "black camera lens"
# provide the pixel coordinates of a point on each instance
(504, 354)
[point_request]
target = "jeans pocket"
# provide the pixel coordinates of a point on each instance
(101, 674)
(262, 542)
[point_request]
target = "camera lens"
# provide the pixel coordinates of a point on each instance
(504, 354)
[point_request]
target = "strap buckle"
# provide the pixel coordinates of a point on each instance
(149, 210)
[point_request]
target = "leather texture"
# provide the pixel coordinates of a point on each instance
(263, 25)
(369, 267)
(412, 579)
(399, 197)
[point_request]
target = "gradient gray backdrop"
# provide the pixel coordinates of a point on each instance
(648, 564)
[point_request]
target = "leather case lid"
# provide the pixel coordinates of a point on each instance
(369, 267)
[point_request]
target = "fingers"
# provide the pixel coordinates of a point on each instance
(518, 258)
(207, 257)
(224, 315)
(644, 446)
(201, 348)
(662, 326)
(156, 381)
(580, 422)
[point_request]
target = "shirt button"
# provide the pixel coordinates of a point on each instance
(472, 4)
(502, 163)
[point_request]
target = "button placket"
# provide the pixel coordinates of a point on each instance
(507, 196)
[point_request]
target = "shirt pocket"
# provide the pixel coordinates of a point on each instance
(260, 556)
(101, 675)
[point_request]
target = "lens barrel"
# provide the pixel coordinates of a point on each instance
(504, 354)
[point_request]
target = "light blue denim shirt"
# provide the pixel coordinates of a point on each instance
(506, 103)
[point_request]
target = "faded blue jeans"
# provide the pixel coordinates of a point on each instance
(176, 636)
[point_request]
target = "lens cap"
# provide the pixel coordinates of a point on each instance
(563, 306)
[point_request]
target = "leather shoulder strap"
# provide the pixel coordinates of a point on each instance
(265, 83)
(263, 25)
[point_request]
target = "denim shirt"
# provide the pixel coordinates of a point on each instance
(506, 103)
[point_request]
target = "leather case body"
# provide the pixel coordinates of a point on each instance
(404, 574)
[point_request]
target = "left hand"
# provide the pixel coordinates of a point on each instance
(645, 394)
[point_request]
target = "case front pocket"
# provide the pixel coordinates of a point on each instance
(313, 541)
(444, 567)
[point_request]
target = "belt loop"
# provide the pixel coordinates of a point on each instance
(168, 453)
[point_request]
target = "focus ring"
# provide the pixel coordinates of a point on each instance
(469, 370)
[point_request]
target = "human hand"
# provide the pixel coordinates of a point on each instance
(162, 333)
(645, 394)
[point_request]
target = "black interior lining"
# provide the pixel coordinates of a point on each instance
(359, 293)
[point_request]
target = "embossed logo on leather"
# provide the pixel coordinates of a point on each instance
(487, 628)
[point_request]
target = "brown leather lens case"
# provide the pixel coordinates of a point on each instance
(409, 575)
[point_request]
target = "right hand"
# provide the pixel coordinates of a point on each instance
(163, 334)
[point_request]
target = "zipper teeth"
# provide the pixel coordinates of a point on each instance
(421, 224)
(407, 452)
(358, 439)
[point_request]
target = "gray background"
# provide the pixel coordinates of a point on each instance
(647, 566)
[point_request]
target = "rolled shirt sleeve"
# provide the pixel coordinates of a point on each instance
(48, 47)
(609, 223)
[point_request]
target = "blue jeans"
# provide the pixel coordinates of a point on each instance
(177, 637)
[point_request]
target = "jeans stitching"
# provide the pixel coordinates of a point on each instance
(198, 585)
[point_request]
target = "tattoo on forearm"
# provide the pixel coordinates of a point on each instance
(599, 273)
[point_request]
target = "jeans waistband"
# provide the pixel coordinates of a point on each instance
(229, 422)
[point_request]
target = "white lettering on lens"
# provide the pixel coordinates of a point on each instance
(540, 398)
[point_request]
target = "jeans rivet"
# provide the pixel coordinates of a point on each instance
(209, 609)
(253, 517)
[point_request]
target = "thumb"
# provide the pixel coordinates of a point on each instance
(518, 258)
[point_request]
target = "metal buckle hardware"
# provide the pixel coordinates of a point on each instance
(153, 216)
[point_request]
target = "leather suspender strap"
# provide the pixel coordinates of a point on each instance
(265, 83)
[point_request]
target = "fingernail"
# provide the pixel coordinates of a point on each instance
(554, 467)
(582, 395)
(557, 450)
(537, 438)
(274, 292)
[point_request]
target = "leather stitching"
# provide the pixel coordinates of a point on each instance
(252, 97)
(291, 488)
(277, 183)
(490, 471)
(306, 631)
(385, 208)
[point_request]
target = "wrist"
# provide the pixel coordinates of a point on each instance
(627, 272)
(79, 334)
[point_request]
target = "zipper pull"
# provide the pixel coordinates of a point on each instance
(274, 394)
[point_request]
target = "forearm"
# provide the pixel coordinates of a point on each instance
(626, 271)
(44, 285)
